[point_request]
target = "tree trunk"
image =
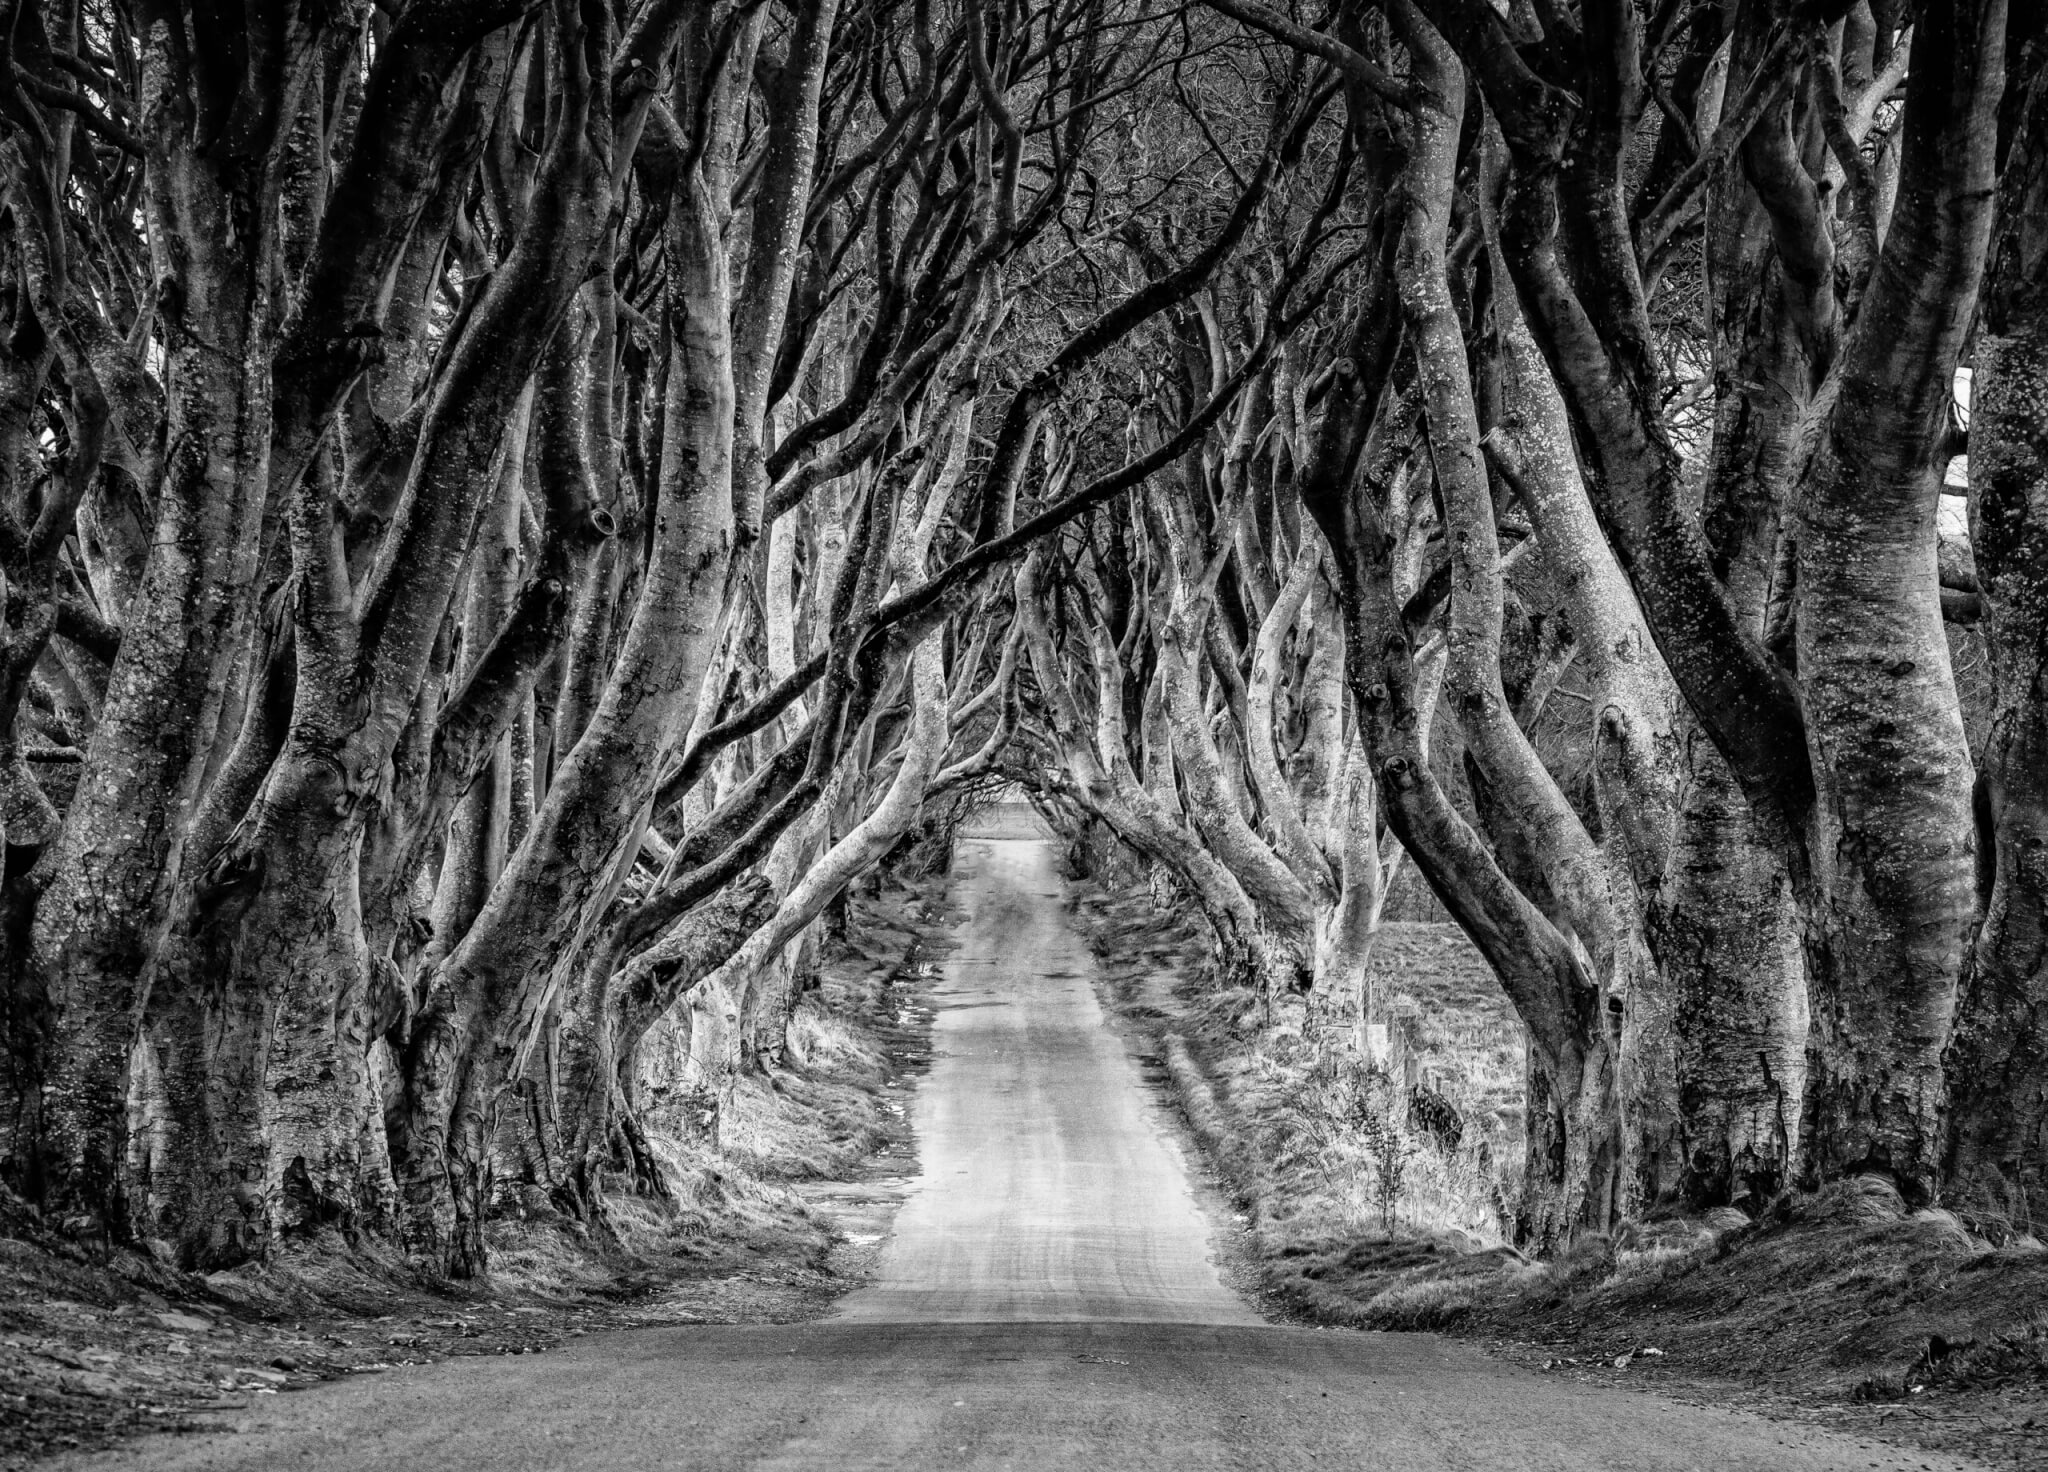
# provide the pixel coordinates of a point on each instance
(1542, 842)
(114, 864)
(1998, 1062)
(614, 1011)
(1725, 930)
(1893, 832)
(296, 1142)
(484, 1000)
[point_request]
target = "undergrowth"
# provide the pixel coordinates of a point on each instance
(1421, 1137)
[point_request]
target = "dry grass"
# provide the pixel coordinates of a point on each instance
(1342, 1150)
(819, 1038)
(1460, 1027)
(1435, 1303)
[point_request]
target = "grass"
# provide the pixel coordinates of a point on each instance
(1434, 1303)
(1322, 1141)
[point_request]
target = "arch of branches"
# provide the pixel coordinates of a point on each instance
(509, 507)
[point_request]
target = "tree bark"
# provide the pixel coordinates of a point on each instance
(115, 863)
(1998, 1061)
(1567, 877)
(485, 1000)
(1893, 832)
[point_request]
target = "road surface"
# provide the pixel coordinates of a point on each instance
(1049, 1190)
(1047, 1301)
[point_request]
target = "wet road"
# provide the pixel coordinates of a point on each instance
(1047, 1301)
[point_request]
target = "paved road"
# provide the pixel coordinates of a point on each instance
(1046, 1303)
(1049, 1191)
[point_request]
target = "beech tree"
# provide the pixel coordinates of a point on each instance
(1668, 1023)
(434, 394)
(511, 506)
(1801, 612)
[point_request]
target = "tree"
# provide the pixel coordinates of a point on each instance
(509, 507)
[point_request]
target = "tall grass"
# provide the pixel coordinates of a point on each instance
(1336, 1129)
(1338, 1133)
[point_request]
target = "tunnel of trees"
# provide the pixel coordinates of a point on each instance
(509, 507)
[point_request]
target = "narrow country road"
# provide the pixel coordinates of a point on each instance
(1047, 1301)
(1048, 1191)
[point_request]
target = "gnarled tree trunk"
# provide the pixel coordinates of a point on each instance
(1998, 1062)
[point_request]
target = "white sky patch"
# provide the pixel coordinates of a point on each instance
(1958, 476)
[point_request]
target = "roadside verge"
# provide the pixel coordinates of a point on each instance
(1841, 1309)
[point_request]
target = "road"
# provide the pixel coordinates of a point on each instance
(1048, 1301)
(1049, 1190)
